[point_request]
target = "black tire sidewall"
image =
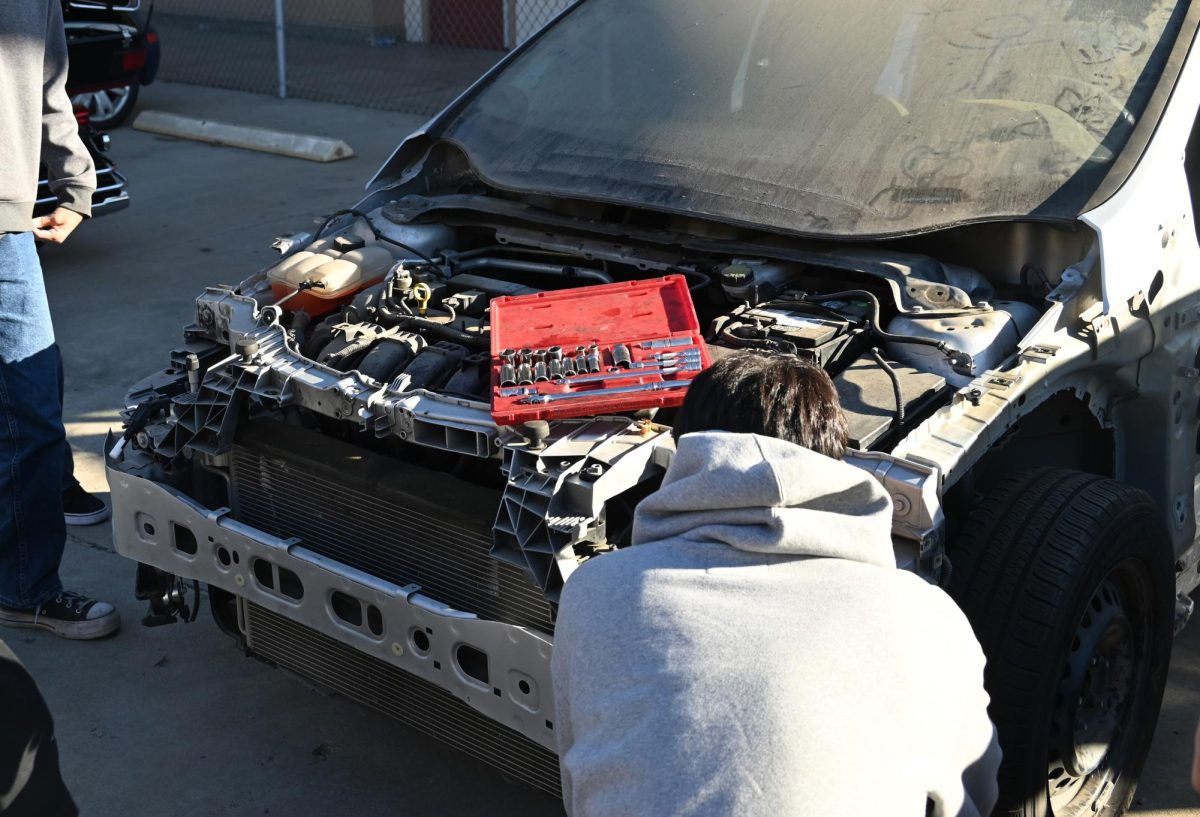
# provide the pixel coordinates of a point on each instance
(1132, 532)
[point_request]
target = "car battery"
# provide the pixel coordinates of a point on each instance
(608, 349)
(823, 335)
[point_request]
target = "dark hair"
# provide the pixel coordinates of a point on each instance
(775, 395)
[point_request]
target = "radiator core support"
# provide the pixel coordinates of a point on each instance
(399, 695)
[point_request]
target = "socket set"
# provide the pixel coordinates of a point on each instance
(594, 350)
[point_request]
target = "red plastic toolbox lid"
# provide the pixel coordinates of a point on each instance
(628, 312)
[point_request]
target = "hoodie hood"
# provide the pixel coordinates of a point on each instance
(764, 495)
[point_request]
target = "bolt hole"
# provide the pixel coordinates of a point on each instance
(148, 529)
(420, 641)
(374, 620)
(473, 662)
(347, 608)
(223, 557)
(185, 540)
(524, 687)
(262, 572)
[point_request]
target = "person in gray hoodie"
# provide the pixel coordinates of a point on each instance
(36, 122)
(756, 651)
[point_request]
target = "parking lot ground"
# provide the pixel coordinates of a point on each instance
(173, 718)
(322, 63)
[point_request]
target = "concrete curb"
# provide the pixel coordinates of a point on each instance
(281, 143)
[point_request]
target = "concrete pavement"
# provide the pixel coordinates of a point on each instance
(174, 718)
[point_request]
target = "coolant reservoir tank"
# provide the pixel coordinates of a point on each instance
(337, 275)
(754, 281)
(988, 337)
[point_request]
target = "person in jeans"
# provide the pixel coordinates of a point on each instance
(36, 121)
(756, 651)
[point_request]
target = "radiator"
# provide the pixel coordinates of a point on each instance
(399, 695)
(390, 519)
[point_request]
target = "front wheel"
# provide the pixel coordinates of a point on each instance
(1068, 581)
(110, 107)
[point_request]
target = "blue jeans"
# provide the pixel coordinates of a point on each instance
(33, 449)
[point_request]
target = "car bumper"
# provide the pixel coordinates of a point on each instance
(156, 525)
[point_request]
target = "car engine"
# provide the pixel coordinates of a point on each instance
(373, 330)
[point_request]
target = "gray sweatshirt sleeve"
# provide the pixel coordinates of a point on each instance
(971, 789)
(561, 673)
(72, 174)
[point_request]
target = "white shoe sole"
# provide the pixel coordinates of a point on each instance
(94, 518)
(74, 630)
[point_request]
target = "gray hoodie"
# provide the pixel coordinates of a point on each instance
(36, 119)
(756, 652)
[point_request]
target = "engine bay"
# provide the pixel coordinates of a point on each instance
(374, 329)
(407, 305)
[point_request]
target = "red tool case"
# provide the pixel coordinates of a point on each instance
(633, 313)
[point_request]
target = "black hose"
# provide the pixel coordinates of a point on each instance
(874, 320)
(897, 389)
(728, 338)
(387, 317)
(533, 268)
(705, 279)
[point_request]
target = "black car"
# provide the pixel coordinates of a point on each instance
(111, 54)
(114, 51)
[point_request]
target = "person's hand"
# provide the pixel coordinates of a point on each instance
(56, 226)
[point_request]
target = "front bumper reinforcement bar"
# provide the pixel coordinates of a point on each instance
(158, 526)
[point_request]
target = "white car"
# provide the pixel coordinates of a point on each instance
(978, 216)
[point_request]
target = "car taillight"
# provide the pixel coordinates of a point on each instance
(82, 116)
(151, 37)
(133, 61)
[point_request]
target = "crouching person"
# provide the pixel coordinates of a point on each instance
(756, 651)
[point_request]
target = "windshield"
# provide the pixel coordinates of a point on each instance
(840, 118)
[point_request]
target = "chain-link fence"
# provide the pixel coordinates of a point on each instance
(403, 55)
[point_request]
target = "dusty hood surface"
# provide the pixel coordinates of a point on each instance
(763, 495)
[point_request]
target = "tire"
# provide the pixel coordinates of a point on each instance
(1068, 581)
(109, 108)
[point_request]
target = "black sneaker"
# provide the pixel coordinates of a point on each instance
(81, 508)
(69, 615)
